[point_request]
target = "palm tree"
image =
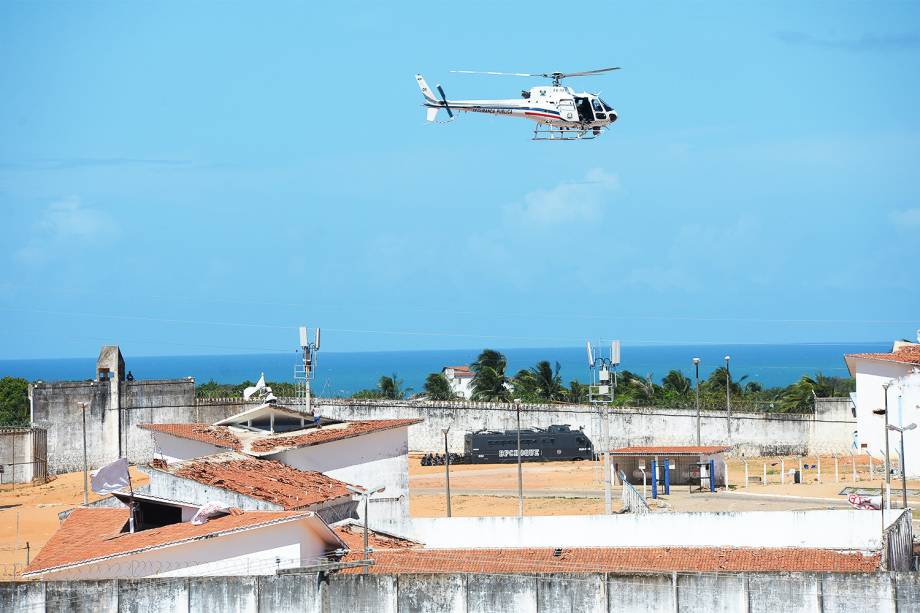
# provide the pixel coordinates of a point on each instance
(489, 380)
(675, 381)
(438, 387)
(717, 379)
(548, 382)
(524, 385)
(577, 392)
(391, 387)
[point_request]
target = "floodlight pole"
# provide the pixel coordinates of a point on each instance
(85, 462)
(517, 406)
(885, 387)
(728, 397)
(447, 467)
(903, 463)
(696, 364)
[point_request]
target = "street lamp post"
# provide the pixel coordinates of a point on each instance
(85, 463)
(517, 406)
(447, 467)
(365, 494)
(696, 365)
(903, 463)
(728, 397)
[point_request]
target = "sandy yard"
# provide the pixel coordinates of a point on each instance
(577, 488)
(29, 514)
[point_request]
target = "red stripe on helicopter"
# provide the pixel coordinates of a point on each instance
(541, 115)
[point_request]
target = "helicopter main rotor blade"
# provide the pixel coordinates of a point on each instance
(563, 75)
(502, 74)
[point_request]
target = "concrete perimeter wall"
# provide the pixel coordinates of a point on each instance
(468, 593)
(828, 430)
(843, 529)
(114, 409)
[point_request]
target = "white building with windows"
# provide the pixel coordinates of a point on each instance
(894, 376)
(460, 379)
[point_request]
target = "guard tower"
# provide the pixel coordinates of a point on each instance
(110, 365)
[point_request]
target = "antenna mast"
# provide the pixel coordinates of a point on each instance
(303, 373)
(601, 394)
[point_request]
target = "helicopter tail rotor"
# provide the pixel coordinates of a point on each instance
(450, 113)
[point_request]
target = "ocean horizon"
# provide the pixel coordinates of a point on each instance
(342, 374)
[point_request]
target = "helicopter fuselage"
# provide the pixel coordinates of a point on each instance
(556, 106)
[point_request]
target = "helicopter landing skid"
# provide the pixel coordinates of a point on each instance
(544, 132)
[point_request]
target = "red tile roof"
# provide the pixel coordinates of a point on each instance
(95, 533)
(267, 480)
(672, 450)
(615, 559)
(327, 434)
(907, 354)
(353, 535)
(221, 436)
(256, 444)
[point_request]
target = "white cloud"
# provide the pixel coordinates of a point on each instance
(906, 219)
(566, 202)
(65, 224)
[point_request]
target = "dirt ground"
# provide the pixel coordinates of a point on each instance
(29, 514)
(573, 488)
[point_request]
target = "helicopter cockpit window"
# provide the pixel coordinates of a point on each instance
(598, 109)
(607, 107)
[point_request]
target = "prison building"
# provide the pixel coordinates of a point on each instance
(368, 453)
(686, 464)
(251, 484)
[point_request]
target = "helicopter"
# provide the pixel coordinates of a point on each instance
(560, 112)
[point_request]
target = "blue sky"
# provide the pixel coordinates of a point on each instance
(186, 178)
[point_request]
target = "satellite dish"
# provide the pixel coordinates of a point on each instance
(590, 355)
(303, 336)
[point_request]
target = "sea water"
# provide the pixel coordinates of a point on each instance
(341, 374)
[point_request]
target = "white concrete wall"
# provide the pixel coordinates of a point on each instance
(843, 529)
(371, 460)
(827, 431)
(250, 552)
(174, 448)
(903, 409)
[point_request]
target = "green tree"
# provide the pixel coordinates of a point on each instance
(547, 382)
(489, 380)
(437, 387)
(524, 386)
(391, 387)
(14, 401)
(676, 382)
(717, 379)
(578, 392)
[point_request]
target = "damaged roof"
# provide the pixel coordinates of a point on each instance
(268, 480)
(95, 534)
(353, 534)
(261, 443)
(615, 559)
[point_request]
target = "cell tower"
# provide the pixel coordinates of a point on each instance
(601, 392)
(303, 372)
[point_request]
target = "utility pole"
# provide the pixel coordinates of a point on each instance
(447, 467)
(303, 374)
(885, 387)
(903, 463)
(85, 462)
(517, 408)
(696, 365)
(728, 397)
